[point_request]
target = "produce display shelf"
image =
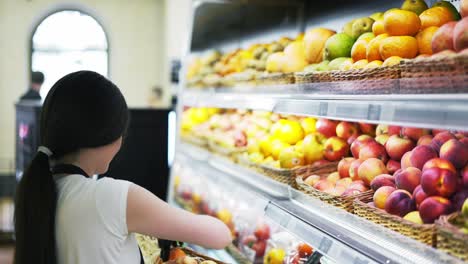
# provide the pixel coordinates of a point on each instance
(444, 111)
(336, 233)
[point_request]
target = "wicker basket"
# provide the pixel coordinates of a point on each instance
(343, 202)
(449, 238)
(312, 77)
(237, 255)
(441, 74)
(275, 78)
(425, 233)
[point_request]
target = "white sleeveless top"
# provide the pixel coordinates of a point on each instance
(91, 222)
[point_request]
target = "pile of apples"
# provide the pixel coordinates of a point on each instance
(431, 177)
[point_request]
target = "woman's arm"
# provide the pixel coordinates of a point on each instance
(147, 214)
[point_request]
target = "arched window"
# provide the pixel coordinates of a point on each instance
(68, 41)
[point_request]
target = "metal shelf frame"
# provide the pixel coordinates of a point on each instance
(336, 233)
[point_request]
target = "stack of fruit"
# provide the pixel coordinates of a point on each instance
(432, 180)
(254, 244)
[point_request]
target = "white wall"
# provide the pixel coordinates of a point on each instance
(136, 34)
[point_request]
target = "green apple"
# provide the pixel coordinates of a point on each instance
(338, 45)
(348, 28)
(336, 63)
(361, 25)
(416, 6)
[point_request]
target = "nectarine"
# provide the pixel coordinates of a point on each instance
(455, 152)
(421, 154)
(433, 207)
(399, 203)
(408, 179)
(439, 182)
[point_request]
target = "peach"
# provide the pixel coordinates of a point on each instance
(333, 177)
(406, 160)
(397, 146)
(381, 129)
(437, 131)
(344, 182)
(393, 166)
(382, 139)
(433, 207)
(440, 139)
(312, 179)
(373, 150)
(370, 169)
(400, 203)
(421, 154)
(439, 182)
(464, 175)
(443, 38)
(408, 179)
(358, 185)
(346, 130)
(323, 184)
(425, 140)
(343, 167)
(335, 149)
(419, 195)
(368, 129)
(353, 169)
(460, 35)
(394, 130)
(455, 152)
(439, 163)
(351, 192)
(414, 133)
(359, 143)
(326, 127)
(382, 180)
(381, 195)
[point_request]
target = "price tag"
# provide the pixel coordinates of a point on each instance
(325, 245)
(357, 260)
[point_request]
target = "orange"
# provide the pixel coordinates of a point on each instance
(402, 46)
(424, 39)
(358, 52)
(393, 60)
(401, 23)
(435, 16)
(378, 27)
(360, 64)
(372, 51)
(373, 64)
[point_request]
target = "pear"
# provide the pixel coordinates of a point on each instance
(323, 66)
(336, 63)
(361, 26)
(377, 16)
(416, 6)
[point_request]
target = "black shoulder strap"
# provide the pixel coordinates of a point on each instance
(72, 169)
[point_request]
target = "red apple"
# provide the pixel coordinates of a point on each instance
(240, 138)
(421, 154)
(335, 149)
(425, 140)
(443, 38)
(419, 195)
(394, 130)
(382, 180)
(353, 169)
(346, 130)
(373, 150)
(440, 139)
(455, 152)
(351, 139)
(397, 146)
(399, 202)
(381, 129)
(304, 250)
(414, 133)
(326, 127)
(323, 185)
(439, 163)
(464, 141)
(406, 160)
(262, 232)
(359, 143)
(368, 129)
(437, 131)
(370, 169)
(259, 248)
(460, 35)
(343, 167)
(439, 182)
(408, 179)
(393, 166)
(382, 139)
(433, 207)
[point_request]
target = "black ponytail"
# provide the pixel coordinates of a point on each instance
(82, 110)
(35, 214)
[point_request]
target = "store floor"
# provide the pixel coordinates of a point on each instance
(6, 254)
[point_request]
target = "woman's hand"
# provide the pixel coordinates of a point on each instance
(149, 215)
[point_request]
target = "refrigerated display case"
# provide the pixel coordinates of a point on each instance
(337, 234)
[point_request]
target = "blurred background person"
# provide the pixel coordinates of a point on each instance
(37, 79)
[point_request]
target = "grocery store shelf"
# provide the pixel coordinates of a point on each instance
(446, 111)
(338, 234)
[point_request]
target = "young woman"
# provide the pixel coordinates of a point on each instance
(64, 216)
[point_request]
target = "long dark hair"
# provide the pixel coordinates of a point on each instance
(82, 110)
